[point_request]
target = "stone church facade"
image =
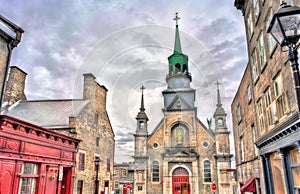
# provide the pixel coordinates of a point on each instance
(181, 155)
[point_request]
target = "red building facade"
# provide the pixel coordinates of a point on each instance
(34, 160)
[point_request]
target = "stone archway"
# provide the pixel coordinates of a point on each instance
(180, 181)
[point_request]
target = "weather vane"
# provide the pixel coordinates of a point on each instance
(176, 18)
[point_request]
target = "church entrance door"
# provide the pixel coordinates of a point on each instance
(180, 181)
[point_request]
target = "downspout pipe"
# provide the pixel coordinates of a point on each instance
(9, 47)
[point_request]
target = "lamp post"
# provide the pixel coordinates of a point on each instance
(285, 28)
(97, 162)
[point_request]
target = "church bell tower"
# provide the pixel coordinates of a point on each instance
(179, 95)
(223, 156)
(140, 148)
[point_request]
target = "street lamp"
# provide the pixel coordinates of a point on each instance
(97, 162)
(285, 28)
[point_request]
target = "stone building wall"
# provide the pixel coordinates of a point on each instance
(15, 86)
(90, 127)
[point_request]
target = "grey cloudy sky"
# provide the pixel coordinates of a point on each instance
(126, 44)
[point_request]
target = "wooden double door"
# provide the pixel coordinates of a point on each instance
(180, 181)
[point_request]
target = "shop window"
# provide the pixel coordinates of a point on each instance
(260, 115)
(277, 173)
(140, 188)
(155, 171)
(262, 52)
(81, 164)
(280, 97)
(207, 171)
(254, 65)
(79, 186)
(29, 175)
(295, 165)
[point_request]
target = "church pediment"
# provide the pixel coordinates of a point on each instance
(179, 103)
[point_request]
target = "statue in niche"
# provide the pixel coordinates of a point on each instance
(179, 136)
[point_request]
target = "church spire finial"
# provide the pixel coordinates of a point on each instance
(142, 101)
(176, 18)
(218, 94)
(142, 115)
(177, 46)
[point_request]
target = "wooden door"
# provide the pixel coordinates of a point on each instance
(6, 177)
(51, 180)
(180, 181)
(65, 184)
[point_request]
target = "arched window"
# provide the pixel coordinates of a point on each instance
(184, 69)
(155, 171)
(220, 122)
(207, 171)
(142, 124)
(177, 66)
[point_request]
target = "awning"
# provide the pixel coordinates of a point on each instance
(249, 185)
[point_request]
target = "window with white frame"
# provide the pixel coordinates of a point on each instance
(238, 113)
(254, 65)
(280, 96)
(242, 149)
(271, 40)
(155, 171)
(207, 171)
(256, 9)
(81, 163)
(254, 139)
(262, 52)
(29, 175)
(260, 115)
(269, 110)
(249, 25)
(249, 93)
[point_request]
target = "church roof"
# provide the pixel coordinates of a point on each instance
(47, 113)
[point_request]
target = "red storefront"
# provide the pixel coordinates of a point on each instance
(34, 160)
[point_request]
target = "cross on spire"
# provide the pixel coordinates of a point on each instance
(176, 18)
(218, 94)
(218, 83)
(142, 88)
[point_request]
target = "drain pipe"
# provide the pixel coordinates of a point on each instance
(9, 47)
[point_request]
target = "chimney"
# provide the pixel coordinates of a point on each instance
(15, 86)
(89, 86)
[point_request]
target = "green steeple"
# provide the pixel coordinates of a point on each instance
(178, 62)
(177, 46)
